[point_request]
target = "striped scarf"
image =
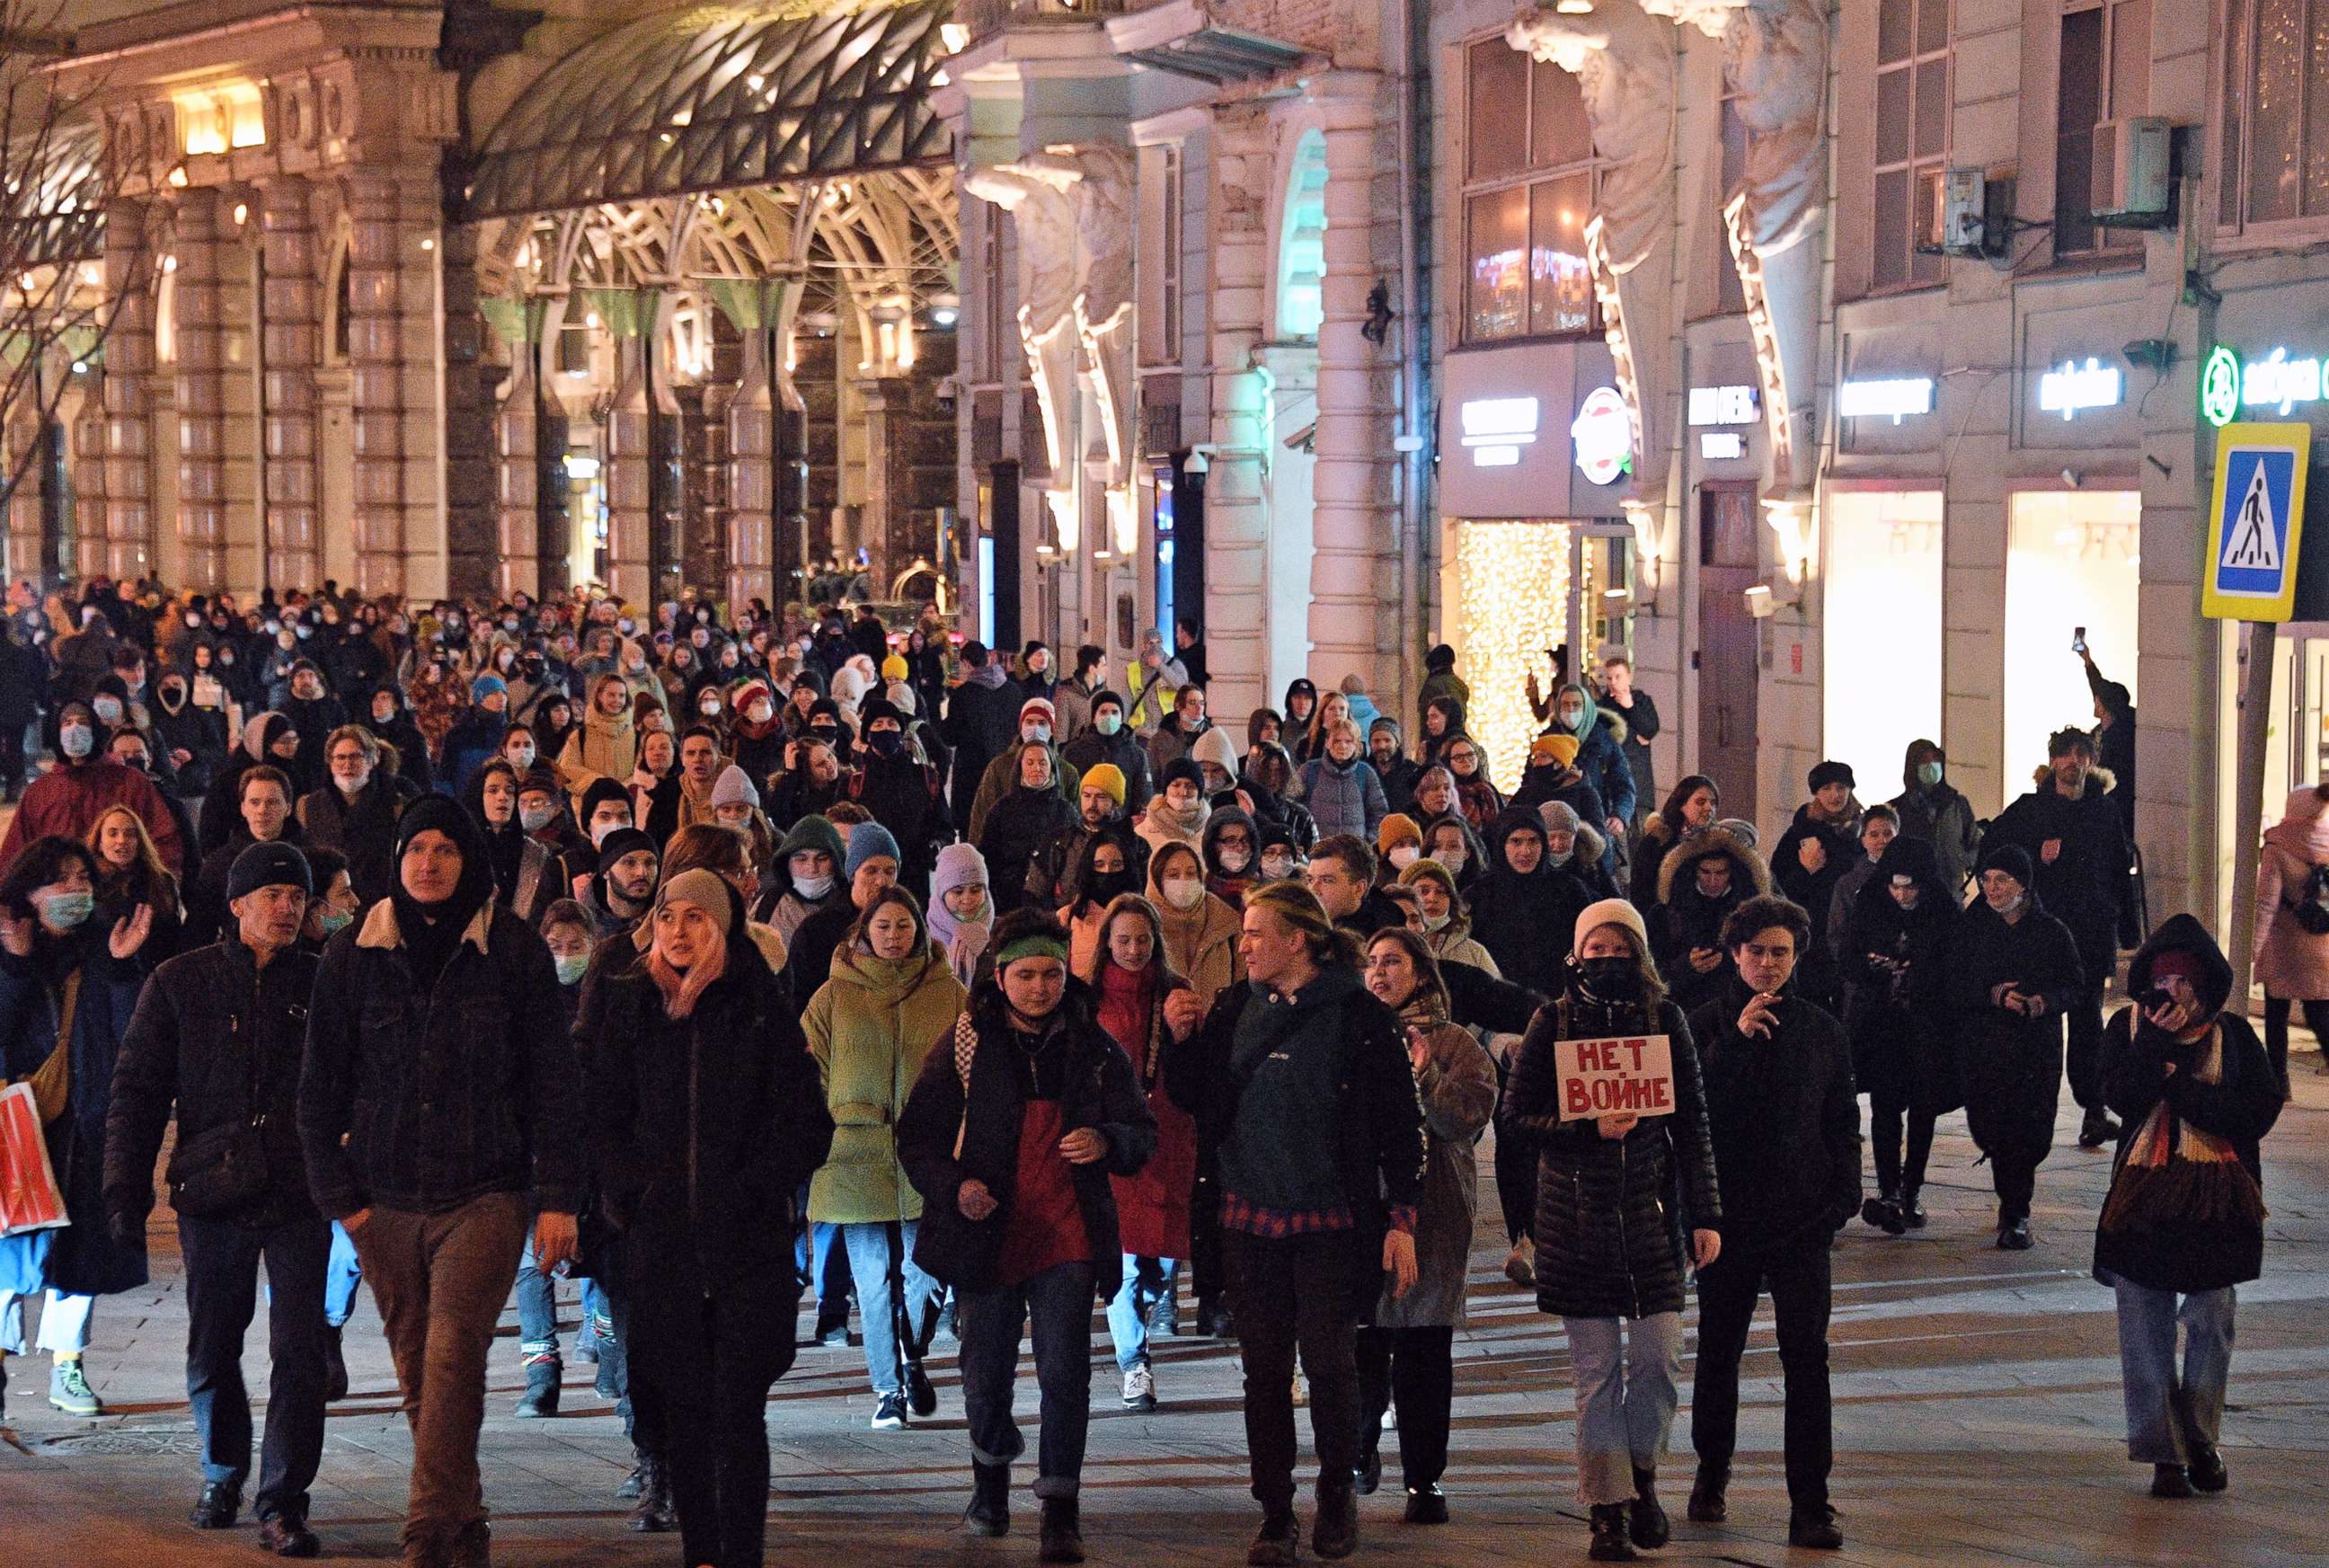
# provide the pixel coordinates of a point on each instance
(2176, 1173)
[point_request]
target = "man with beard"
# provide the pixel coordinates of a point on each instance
(623, 889)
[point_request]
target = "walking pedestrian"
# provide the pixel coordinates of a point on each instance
(1604, 1180)
(962, 913)
(2292, 923)
(1932, 808)
(1691, 804)
(1704, 877)
(1819, 848)
(1786, 1131)
(217, 1039)
(1894, 956)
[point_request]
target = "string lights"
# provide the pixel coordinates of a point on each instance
(1513, 606)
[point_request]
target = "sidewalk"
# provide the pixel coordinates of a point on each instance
(1978, 1421)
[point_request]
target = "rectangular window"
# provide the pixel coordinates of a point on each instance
(1731, 294)
(2276, 108)
(1530, 182)
(1002, 331)
(1912, 138)
(1160, 286)
(2104, 75)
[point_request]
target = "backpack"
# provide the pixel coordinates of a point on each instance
(2310, 907)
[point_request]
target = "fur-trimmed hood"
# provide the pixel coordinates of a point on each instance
(2099, 780)
(1683, 858)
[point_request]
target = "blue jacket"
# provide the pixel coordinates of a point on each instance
(1343, 800)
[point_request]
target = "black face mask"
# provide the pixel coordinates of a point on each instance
(1104, 886)
(886, 741)
(1611, 979)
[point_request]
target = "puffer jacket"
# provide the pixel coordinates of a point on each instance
(870, 1027)
(1612, 1215)
(1344, 798)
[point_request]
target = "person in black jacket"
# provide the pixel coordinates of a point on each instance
(2071, 828)
(1108, 739)
(1704, 878)
(704, 1118)
(2183, 1224)
(982, 717)
(902, 793)
(1640, 716)
(2012, 969)
(390, 723)
(1020, 1118)
(1777, 1076)
(218, 1035)
(438, 1110)
(1523, 913)
(1310, 1224)
(357, 809)
(1610, 1249)
(1819, 846)
(1894, 959)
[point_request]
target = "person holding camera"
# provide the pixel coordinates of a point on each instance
(2183, 1224)
(2292, 923)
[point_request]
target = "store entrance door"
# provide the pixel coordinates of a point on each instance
(1729, 667)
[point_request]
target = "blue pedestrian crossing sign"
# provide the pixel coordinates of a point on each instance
(2257, 521)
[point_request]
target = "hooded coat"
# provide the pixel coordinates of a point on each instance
(1686, 918)
(1943, 817)
(1525, 922)
(1201, 944)
(2170, 1247)
(2291, 961)
(1899, 1020)
(2087, 882)
(870, 1027)
(1020, 823)
(2011, 1065)
(1600, 754)
(1089, 748)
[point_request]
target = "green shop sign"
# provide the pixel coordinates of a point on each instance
(2275, 383)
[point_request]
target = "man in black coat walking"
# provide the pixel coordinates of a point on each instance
(2069, 826)
(982, 717)
(218, 1034)
(1776, 1073)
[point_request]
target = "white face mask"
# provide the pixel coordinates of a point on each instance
(1184, 891)
(598, 833)
(1234, 860)
(1275, 869)
(1403, 855)
(1436, 923)
(812, 888)
(1454, 861)
(520, 757)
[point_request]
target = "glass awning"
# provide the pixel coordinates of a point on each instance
(716, 96)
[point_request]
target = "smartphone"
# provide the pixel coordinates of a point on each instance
(2079, 640)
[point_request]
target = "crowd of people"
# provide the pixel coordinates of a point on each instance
(722, 961)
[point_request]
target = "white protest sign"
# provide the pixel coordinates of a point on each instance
(1610, 1077)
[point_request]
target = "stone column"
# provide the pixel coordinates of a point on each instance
(392, 377)
(517, 494)
(889, 402)
(292, 347)
(127, 526)
(86, 446)
(1353, 441)
(201, 247)
(27, 552)
(468, 428)
(628, 467)
(1237, 511)
(750, 416)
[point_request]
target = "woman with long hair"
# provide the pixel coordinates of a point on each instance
(1611, 1255)
(1693, 803)
(131, 872)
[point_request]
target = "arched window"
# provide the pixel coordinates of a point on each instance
(1302, 242)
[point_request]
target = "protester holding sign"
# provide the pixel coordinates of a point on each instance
(1610, 1251)
(1778, 1073)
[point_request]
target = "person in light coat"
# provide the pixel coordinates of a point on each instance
(2292, 963)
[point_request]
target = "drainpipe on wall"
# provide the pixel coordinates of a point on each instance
(1415, 340)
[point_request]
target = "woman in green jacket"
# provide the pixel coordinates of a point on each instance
(892, 997)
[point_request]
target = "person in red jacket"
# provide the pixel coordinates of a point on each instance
(68, 799)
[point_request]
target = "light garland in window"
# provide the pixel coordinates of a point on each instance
(1513, 605)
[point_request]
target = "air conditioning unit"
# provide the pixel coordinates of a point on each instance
(1961, 221)
(2133, 179)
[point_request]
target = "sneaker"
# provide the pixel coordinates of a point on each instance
(921, 1397)
(1815, 1529)
(2013, 1236)
(890, 1413)
(69, 1390)
(1139, 1388)
(1164, 1316)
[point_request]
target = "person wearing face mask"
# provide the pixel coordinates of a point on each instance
(67, 800)
(1878, 827)
(1600, 737)
(1931, 808)
(523, 868)
(521, 749)
(806, 877)
(1441, 921)
(1398, 844)
(1552, 776)
(736, 804)
(962, 911)
(755, 739)
(1099, 798)
(1131, 979)
(1228, 845)
(194, 739)
(1171, 741)
(1104, 872)
(1279, 857)
(1108, 739)
(1574, 852)
(68, 988)
(2071, 827)
(1198, 928)
(871, 865)
(355, 811)
(901, 789)
(1028, 816)
(334, 907)
(263, 803)
(1036, 721)
(1894, 952)
(2013, 969)
(1612, 1252)
(890, 997)
(1178, 812)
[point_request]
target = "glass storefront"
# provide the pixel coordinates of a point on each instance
(1883, 608)
(2072, 560)
(1524, 588)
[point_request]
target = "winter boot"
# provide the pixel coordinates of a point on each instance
(1278, 1543)
(541, 1396)
(1062, 1537)
(1815, 1529)
(1707, 1505)
(655, 1514)
(2169, 1481)
(1335, 1534)
(1884, 1212)
(473, 1547)
(1645, 1519)
(2097, 1129)
(1369, 1470)
(1912, 1213)
(1610, 1542)
(336, 1366)
(989, 1513)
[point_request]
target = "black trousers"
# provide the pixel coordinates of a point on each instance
(2085, 1017)
(2276, 1031)
(1797, 1279)
(1886, 1114)
(222, 1260)
(1294, 1294)
(1515, 1174)
(1416, 1368)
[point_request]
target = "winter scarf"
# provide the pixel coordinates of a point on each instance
(2174, 1173)
(682, 989)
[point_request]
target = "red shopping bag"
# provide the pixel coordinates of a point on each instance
(29, 1197)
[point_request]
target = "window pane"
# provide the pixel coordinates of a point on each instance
(1891, 260)
(1499, 264)
(1926, 192)
(1932, 26)
(1893, 116)
(2317, 141)
(2228, 199)
(2081, 104)
(1933, 109)
(1892, 31)
(2130, 46)
(2274, 107)
(1498, 110)
(1561, 284)
(1561, 133)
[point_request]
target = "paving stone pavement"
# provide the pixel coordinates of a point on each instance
(1978, 1421)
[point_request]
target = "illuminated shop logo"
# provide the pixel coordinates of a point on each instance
(1895, 399)
(2071, 388)
(1722, 405)
(1602, 434)
(2276, 382)
(2220, 386)
(1496, 429)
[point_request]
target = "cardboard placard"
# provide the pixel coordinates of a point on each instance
(1626, 1072)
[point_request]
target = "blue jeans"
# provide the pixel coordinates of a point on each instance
(1625, 1372)
(537, 1307)
(222, 1260)
(824, 1266)
(2168, 1417)
(1058, 1300)
(893, 1296)
(1146, 1281)
(342, 1274)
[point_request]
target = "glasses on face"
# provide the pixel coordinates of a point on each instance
(1459, 756)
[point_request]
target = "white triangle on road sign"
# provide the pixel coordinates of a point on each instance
(2251, 539)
